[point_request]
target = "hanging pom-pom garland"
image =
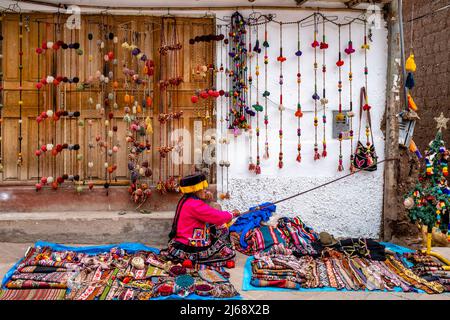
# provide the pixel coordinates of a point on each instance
(350, 113)
(324, 100)
(340, 115)
(298, 113)
(315, 96)
(281, 59)
(266, 93)
(1, 89)
(251, 164)
(19, 153)
(258, 108)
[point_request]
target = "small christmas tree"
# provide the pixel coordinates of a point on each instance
(429, 202)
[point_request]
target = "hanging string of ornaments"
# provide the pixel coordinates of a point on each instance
(298, 112)
(1, 91)
(340, 116)
(350, 114)
(315, 96)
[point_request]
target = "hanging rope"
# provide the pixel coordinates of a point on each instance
(312, 189)
(257, 106)
(19, 154)
(350, 114)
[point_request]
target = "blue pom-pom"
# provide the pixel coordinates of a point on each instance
(409, 83)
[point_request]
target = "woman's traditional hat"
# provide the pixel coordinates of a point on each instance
(193, 183)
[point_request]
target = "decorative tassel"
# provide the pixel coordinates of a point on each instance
(266, 151)
(410, 83)
(258, 169)
(299, 158)
(280, 164)
(251, 166)
(411, 104)
(324, 153)
(149, 128)
(340, 166)
(410, 64)
(316, 153)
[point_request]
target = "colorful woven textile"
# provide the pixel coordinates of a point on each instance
(252, 220)
(211, 276)
(107, 274)
(33, 294)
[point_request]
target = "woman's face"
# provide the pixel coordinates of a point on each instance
(201, 194)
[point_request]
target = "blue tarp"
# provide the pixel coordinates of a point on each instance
(128, 246)
(246, 285)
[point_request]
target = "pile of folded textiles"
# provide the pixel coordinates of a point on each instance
(337, 268)
(48, 274)
(288, 231)
(429, 269)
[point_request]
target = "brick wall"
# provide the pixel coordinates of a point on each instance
(431, 47)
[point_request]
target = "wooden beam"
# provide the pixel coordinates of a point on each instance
(393, 92)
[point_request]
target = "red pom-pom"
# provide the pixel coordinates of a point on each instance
(340, 63)
(187, 263)
(204, 94)
(221, 92)
(60, 180)
(39, 50)
(44, 180)
(111, 55)
(299, 158)
(38, 186)
(44, 45)
(54, 152)
(54, 185)
(39, 85)
(230, 264)
(194, 99)
(44, 148)
(38, 153)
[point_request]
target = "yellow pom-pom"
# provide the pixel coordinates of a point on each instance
(410, 64)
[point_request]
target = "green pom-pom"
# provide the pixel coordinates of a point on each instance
(265, 44)
(266, 93)
(258, 107)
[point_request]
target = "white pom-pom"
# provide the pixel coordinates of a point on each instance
(49, 113)
(49, 44)
(49, 179)
(49, 147)
(98, 106)
(90, 164)
(50, 79)
(106, 164)
(115, 39)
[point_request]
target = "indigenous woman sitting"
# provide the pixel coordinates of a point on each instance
(198, 232)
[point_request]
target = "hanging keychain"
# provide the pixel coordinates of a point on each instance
(324, 100)
(340, 116)
(298, 113)
(281, 59)
(315, 96)
(266, 94)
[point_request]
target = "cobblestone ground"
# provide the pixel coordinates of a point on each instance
(10, 253)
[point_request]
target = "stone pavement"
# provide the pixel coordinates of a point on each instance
(10, 253)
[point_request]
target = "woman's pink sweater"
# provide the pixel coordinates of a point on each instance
(194, 216)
